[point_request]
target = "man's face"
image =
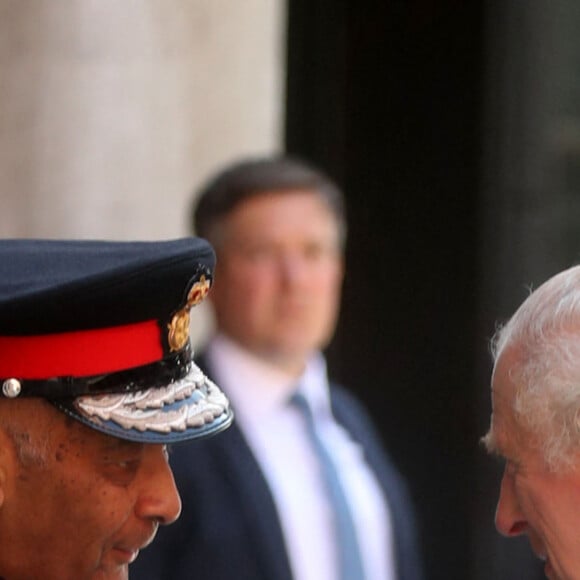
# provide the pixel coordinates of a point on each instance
(278, 276)
(533, 500)
(87, 509)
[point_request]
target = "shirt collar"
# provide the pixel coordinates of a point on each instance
(256, 388)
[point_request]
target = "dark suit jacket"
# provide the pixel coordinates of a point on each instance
(229, 528)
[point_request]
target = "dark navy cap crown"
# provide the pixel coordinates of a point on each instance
(60, 285)
(101, 329)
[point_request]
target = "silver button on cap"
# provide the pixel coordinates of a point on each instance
(11, 388)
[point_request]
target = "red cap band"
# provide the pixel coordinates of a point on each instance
(80, 353)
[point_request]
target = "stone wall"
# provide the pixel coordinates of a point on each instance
(111, 113)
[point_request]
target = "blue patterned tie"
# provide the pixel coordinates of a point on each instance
(350, 559)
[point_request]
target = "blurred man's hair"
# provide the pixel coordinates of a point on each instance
(254, 176)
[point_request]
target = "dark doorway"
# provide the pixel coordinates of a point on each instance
(386, 96)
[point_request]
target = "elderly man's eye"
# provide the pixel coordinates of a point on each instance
(511, 467)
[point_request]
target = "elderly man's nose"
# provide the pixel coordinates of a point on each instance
(509, 519)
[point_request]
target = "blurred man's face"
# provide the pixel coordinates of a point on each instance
(85, 510)
(278, 276)
(533, 500)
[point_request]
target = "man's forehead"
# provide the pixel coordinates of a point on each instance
(77, 433)
(497, 441)
(507, 437)
(33, 412)
(38, 415)
(494, 440)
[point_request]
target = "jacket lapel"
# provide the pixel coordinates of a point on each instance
(255, 498)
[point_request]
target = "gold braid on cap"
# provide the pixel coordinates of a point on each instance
(179, 326)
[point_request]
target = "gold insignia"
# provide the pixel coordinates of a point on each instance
(179, 327)
(198, 292)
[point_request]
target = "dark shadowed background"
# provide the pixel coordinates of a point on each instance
(454, 129)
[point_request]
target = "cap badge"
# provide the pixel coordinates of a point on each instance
(179, 326)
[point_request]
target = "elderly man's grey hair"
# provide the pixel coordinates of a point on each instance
(544, 333)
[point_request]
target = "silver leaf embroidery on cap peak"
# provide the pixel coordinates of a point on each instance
(143, 410)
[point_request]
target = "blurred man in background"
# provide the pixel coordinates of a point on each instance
(300, 488)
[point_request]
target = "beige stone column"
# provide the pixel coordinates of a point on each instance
(112, 112)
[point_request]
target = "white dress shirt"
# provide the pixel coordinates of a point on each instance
(259, 394)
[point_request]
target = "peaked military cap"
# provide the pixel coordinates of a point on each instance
(101, 330)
